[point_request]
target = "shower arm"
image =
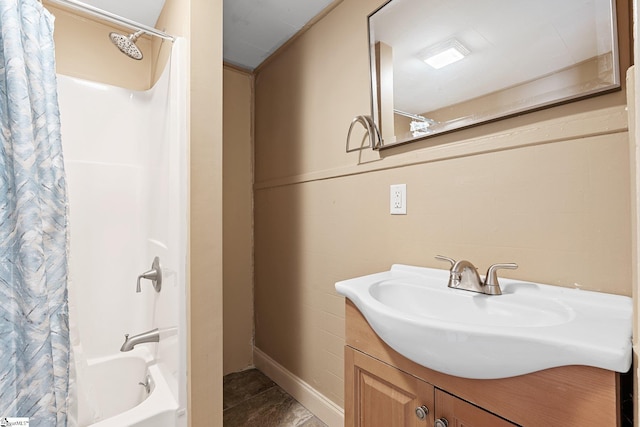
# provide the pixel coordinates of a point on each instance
(111, 17)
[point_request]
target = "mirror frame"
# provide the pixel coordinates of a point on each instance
(375, 92)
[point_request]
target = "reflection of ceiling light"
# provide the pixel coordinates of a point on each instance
(443, 54)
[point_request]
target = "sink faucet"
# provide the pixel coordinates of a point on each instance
(149, 336)
(464, 275)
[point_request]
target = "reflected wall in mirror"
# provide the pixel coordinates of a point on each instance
(441, 65)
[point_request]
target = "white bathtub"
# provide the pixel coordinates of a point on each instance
(109, 393)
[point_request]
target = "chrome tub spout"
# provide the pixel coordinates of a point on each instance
(149, 336)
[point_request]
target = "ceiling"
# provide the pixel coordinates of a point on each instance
(253, 29)
(142, 11)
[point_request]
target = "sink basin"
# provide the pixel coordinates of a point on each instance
(461, 307)
(530, 327)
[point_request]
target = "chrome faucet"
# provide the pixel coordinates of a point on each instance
(149, 336)
(155, 275)
(464, 275)
(146, 384)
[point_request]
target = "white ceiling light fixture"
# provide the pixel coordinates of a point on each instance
(444, 53)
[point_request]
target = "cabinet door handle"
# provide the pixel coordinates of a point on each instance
(422, 412)
(441, 422)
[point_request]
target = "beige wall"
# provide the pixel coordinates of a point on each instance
(238, 220)
(205, 290)
(84, 50)
(548, 190)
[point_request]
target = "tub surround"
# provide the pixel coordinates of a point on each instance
(200, 23)
(141, 213)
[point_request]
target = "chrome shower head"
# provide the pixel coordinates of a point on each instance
(127, 45)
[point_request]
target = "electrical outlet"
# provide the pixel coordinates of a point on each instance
(398, 199)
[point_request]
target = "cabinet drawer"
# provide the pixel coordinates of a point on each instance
(460, 413)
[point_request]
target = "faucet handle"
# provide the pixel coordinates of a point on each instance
(446, 258)
(491, 279)
(155, 275)
(149, 275)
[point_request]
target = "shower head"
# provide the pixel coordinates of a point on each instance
(127, 45)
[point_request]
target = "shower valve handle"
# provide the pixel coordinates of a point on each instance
(155, 275)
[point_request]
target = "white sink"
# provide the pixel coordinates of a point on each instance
(528, 328)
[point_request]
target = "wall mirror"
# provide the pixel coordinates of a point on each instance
(441, 65)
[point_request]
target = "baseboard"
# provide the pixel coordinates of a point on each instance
(322, 407)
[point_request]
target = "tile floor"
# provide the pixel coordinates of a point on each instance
(251, 399)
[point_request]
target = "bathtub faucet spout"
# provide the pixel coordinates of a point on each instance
(149, 336)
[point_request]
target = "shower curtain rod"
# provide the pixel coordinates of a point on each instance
(111, 17)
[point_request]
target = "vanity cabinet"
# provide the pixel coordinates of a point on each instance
(384, 396)
(384, 389)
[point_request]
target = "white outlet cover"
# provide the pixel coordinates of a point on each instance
(398, 199)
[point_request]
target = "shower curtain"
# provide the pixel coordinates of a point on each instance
(34, 334)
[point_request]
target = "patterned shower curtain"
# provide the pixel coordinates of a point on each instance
(34, 333)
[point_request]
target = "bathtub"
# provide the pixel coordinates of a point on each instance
(110, 393)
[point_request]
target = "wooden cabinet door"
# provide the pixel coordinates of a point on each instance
(379, 395)
(460, 413)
